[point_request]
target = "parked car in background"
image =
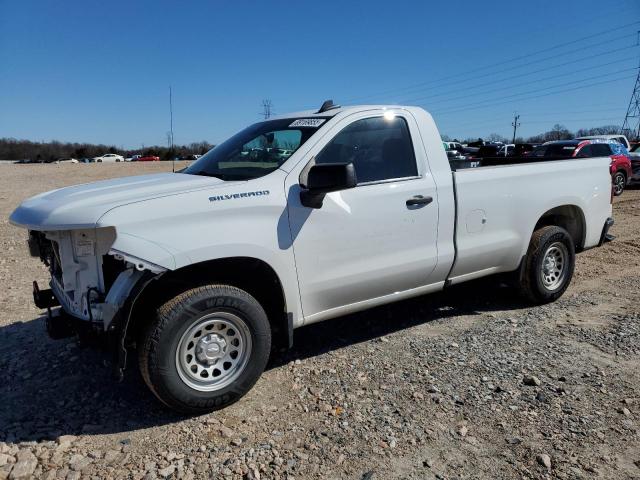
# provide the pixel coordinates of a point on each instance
(455, 150)
(621, 172)
(148, 158)
(67, 160)
(87, 160)
(635, 169)
(455, 146)
(616, 138)
(455, 155)
(523, 149)
(487, 150)
(133, 158)
(506, 150)
(109, 157)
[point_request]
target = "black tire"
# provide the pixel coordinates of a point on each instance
(159, 344)
(531, 284)
(619, 182)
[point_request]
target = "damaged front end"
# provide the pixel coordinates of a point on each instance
(94, 285)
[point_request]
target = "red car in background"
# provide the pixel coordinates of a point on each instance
(148, 158)
(620, 161)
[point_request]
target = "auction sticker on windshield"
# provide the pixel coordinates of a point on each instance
(308, 122)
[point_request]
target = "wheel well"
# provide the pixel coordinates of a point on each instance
(569, 217)
(249, 274)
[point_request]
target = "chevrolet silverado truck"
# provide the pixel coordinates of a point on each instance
(203, 271)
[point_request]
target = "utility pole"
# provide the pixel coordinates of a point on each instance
(266, 108)
(515, 125)
(170, 139)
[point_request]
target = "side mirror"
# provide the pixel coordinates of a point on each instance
(324, 178)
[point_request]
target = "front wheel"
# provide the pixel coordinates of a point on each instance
(206, 348)
(548, 266)
(619, 182)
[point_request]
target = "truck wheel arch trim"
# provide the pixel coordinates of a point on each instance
(138, 263)
(571, 211)
(123, 318)
(282, 321)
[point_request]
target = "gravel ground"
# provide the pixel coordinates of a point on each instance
(468, 383)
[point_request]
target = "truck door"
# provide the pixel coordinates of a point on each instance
(376, 239)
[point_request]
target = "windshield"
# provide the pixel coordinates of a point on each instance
(257, 150)
(618, 149)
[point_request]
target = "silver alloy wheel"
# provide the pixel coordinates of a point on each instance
(554, 266)
(214, 351)
(618, 183)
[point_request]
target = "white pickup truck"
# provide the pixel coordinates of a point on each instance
(206, 269)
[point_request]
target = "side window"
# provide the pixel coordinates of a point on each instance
(585, 152)
(600, 150)
(379, 148)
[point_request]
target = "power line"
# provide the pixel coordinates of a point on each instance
(516, 67)
(550, 120)
(465, 109)
(573, 82)
(527, 74)
(547, 113)
(511, 60)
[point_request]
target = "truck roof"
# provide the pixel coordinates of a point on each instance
(338, 109)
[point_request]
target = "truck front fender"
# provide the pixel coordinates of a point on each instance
(144, 253)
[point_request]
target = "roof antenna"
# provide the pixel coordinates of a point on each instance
(327, 105)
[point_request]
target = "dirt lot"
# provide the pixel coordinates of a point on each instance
(437, 387)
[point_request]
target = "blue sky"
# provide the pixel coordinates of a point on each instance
(99, 71)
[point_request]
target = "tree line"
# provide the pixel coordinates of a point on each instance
(13, 149)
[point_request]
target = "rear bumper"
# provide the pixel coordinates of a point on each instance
(605, 236)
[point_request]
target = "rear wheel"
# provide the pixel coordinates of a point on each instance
(548, 266)
(206, 348)
(619, 182)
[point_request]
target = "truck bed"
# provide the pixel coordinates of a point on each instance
(498, 204)
(500, 161)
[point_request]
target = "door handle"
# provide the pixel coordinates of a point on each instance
(419, 200)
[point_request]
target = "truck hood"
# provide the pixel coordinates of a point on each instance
(81, 206)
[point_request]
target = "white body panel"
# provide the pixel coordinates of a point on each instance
(498, 208)
(364, 247)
